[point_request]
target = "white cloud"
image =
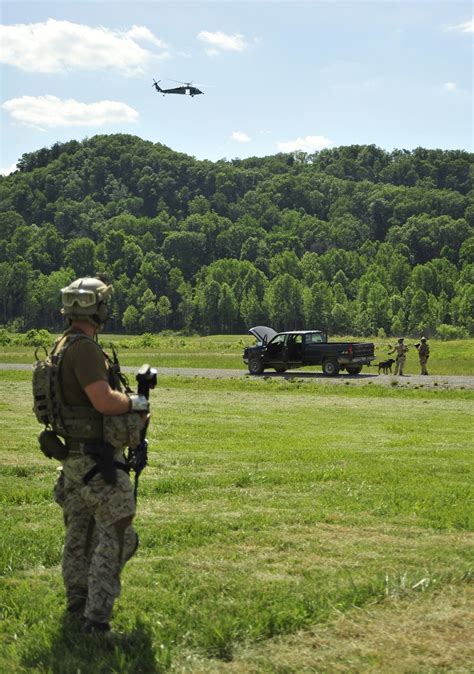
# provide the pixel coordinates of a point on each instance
(466, 27)
(220, 41)
(307, 144)
(449, 86)
(240, 137)
(145, 34)
(57, 46)
(50, 112)
(8, 169)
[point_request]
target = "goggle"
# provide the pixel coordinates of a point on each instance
(83, 298)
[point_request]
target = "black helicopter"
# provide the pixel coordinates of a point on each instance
(187, 89)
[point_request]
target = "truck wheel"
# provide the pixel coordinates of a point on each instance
(255, 366)
(330, 368)
(355, 369)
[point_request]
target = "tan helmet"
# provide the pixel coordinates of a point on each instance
(423, 339)
(86, 300)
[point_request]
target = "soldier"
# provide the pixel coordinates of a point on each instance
(94, 488)
(423, 354)
(400, 349)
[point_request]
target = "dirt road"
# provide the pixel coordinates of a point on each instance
(430, 381)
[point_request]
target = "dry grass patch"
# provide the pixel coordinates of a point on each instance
(414, 634)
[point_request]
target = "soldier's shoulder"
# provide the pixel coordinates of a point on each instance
(83, 347)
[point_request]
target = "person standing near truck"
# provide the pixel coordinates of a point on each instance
(401, 350)
(423, 354)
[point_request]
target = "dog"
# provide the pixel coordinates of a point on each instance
(386, 366)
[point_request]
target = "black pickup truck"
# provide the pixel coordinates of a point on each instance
(288, 350)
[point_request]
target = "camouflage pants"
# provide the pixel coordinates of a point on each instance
(99, 538)
(399, 364)
(423, 364)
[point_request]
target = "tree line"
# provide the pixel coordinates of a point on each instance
(355, 239)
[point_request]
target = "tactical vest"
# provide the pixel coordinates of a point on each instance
(70, 422)
(401, 350)
(424, 350)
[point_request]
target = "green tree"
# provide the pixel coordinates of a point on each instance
(340, 321)
(463, 307)
(80, 255)
(130, 261)
(285, 263)
(131, 319)
(45, 298)
(252, 309)
(185, 250)
(148, 317)
(154, 269)
(398, 326)
(419, 314)
(228, 309)
(186, 307)
(284, 300)
(10, 221)
(378, 308)
(207, 303)
(163, 311)
(5, 278)
(317, 305)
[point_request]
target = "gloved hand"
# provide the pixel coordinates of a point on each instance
(138, 403)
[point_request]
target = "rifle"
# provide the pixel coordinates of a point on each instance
(137, 457)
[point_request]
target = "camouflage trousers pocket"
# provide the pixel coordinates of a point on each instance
(110, 503)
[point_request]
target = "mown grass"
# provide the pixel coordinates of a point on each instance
(269, 508)
(225, 352)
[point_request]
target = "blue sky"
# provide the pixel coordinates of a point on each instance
(277, 76)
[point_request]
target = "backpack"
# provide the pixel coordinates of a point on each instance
(48, 403)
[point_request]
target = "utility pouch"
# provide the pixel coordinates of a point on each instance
(122, 430)
(103, 454)
(52, 446)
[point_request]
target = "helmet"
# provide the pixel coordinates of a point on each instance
(423, 339)
(400, 341)
(86, 300)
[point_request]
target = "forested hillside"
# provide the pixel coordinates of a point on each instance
(353, 239)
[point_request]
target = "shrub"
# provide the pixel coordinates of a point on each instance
(5, 338)
(35, 338)
(147, 340)
(446, 332)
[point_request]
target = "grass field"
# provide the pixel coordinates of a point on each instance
(225, 351)
(285, 527)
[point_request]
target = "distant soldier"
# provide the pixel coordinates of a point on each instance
(423, 354)
(400, 349)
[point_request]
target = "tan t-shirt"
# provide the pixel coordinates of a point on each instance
(83, 364)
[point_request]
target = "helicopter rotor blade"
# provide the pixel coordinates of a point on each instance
(189, 84)
(192, 83)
